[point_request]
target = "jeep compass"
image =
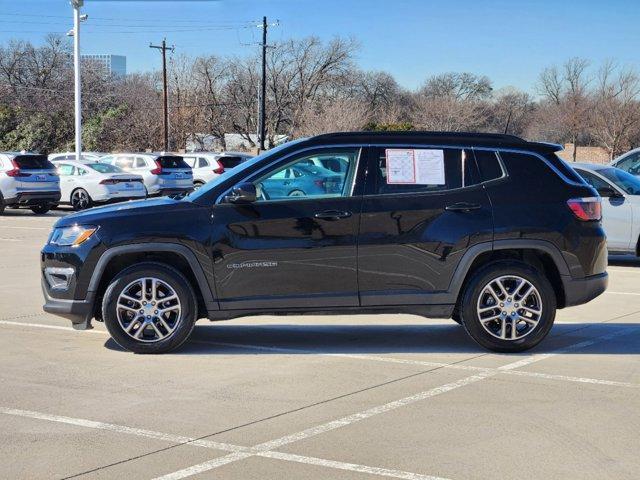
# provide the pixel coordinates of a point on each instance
(491, 230)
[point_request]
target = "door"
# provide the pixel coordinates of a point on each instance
(292, 247)
(617, 214)
(423, 208)
(65, 171)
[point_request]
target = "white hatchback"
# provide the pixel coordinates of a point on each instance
(84, 184)
(163, 174)
(207, 165)
(620, 192)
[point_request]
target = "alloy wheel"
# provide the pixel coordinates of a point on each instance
(80, 199)
(509, 307)
(148, 310)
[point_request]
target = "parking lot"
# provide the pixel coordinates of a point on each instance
(345, 397)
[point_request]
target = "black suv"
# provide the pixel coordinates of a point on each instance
(490, 230)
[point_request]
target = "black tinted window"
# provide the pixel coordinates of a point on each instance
(488, 164)
(455, 165)
(33, 162)
(172, 162)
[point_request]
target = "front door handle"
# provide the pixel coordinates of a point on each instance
(332, 215)
(463, 207)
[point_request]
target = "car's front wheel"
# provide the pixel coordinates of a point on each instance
(80, 199)
(149, 308)
(508, 306)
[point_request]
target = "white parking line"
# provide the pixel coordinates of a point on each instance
(266, 449)
(374, 358)
(357, 417)
(24, 228)
(621, 293)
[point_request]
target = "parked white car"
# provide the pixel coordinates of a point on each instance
(84, 184)
(28, 180)
(620, 192)
(84, 156)
(208, 165)
(629, 162)
(163, 174)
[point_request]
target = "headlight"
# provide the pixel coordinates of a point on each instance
(71, 236)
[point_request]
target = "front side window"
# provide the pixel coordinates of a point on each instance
(308, 177)
(421, 170)
(593, 180)
(65, 170)
(630, 164)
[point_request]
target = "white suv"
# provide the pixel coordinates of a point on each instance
(28, 180)
(207, 166)
(163, 174)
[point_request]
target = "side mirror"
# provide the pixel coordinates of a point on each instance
(608, 192)
(243, 193)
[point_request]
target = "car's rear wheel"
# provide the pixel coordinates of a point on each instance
(149, 308)
(2, 205)
(198, 185)
(80, 199)
(297, 193)
(508, 306)
(40, 209)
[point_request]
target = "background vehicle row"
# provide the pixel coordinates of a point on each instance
(28, 180)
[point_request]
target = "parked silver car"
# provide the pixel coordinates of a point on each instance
(163, 174)
(629, 162)
(84, 156)
(84, 184)
(208, 165)
(28, 180)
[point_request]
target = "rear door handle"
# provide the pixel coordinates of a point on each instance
(332, 215)
(463, 207)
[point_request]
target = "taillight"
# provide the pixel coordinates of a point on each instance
(320, 183)
(108, 181)
(158, 169)
(219, 169)
(15, 172)
(586, 209)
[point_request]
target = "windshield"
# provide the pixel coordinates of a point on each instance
(104, 168)
(240, 168)
(627, 182)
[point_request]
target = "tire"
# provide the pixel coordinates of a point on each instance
(482, 291)
(297, 193)
(175, 325)
(40, 209)
(456, 317)
(80, 199)
(2, 205)
(198, 185)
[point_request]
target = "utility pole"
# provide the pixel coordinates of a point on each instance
(263, 86)
(76, 76)
(165, 93)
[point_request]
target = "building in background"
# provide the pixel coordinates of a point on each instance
(115, 65)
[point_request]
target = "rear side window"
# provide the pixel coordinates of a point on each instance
(33, 162)
(488, 164)
(172, 162)
(124, 162)
(456, 165)
(535, 172)
(191, 161)
(104, 168)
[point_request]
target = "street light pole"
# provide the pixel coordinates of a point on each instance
(76, 75)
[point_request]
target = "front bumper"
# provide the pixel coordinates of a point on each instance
(582, 290)
(79, 312)
(33, 198)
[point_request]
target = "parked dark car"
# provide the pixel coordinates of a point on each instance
(490, 230)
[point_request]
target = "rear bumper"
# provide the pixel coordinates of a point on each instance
(33, 198)
(583, 290)
(79, 312)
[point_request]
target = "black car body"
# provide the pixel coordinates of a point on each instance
(503, 207)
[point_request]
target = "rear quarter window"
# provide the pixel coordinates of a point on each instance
(534, 172)
(488, 165)
(33, 162)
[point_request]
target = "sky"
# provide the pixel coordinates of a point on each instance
(509, 41)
